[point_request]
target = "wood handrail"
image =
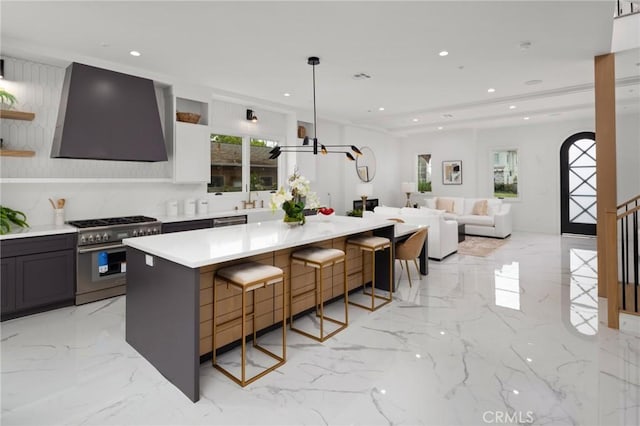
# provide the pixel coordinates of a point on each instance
(637, 197)
(628, 212)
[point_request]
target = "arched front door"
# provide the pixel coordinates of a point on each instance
(578, 184)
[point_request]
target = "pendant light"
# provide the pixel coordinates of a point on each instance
(316, 146)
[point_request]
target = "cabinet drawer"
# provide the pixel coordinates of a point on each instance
(33, 245)
(189, 225)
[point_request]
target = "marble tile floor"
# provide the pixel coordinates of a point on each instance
(513, 338)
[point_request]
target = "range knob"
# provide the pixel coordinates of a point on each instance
(90, 239)
(141, 232)
(98, 237)
(105, 236)
(135, 233)
(83, 239)
(156, 230)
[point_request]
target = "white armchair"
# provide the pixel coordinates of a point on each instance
(443, 233)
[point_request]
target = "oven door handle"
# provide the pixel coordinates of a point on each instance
(100, 248)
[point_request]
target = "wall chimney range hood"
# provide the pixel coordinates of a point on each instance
(107, 115)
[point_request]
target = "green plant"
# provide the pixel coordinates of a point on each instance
(9, 216)
(7, 98)
(355, 213)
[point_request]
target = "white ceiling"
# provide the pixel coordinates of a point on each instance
(259, 50)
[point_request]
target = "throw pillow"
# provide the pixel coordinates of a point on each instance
(480, 208)
(445, 204)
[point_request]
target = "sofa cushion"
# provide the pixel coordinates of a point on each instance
(387, 211)
(430, 202)
(458, 204)
(432, 211)
(480, 208)
(446, 204)
(494, 205)
(476, 220)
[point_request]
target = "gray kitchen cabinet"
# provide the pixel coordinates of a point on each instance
(38, 274)
(7, 285)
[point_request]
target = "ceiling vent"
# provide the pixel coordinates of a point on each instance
(447, 115)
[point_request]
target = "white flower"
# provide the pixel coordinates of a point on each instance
(299, 187)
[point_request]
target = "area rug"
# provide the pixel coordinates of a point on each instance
(479, 246)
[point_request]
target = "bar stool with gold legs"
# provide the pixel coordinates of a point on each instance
(373, 244)
(319, 258)
(248, 277)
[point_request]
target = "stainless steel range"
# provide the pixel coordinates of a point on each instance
(102, 258)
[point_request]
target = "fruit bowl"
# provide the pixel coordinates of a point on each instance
(326, 211)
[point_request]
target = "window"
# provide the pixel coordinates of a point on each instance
(424, 173)
(263, 172)
(240, 163)
(226, 164)
(505, 174)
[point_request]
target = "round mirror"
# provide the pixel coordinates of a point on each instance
(366, 164)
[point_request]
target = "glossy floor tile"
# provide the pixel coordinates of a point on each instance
(513, 338)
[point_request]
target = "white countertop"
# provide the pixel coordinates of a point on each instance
(38, 231)
(212, 215)
(209, 246)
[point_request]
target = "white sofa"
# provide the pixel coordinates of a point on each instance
(496, 223)
(443, 233)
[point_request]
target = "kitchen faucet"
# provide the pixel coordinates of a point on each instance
(249, 204)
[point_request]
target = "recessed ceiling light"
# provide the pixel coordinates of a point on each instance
(442, 332)
(440, 128)
(529, 360)
(381, 109)
(383, 391)
(287, 94)
(418, 356)
(134, 53)
(415, 120)
(512, 107)
(491, 90)
(443, 53)
(516, 392)
(532, 82)
(525, 118)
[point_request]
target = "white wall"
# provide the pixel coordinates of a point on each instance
(386, 182)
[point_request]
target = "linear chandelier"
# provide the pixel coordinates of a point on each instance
(316, 147)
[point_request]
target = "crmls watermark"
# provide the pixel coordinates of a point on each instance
(503, 417)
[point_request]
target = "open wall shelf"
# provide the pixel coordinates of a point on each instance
(16, 153)
(17, 115)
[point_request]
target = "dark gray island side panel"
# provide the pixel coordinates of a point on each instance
(162, 318)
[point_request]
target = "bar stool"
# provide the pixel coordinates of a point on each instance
(373, 244)
(248, 277)
(319, 258)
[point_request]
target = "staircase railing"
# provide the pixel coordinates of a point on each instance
(627, 7)
(623, 251)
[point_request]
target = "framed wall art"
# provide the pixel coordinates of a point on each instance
(452, 172)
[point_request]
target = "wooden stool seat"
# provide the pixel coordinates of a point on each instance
(370, 243)
(319, 258)
(248, 277)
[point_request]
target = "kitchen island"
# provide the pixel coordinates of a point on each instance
(170, 279)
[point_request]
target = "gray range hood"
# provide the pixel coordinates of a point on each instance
(107, 115)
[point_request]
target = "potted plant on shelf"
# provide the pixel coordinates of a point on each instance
(9, 216)
(7, 99)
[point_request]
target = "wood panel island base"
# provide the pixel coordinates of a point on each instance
(170, 279)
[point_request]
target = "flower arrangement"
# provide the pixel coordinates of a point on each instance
(293, 200)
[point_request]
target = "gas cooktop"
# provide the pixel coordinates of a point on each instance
(110, 221)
